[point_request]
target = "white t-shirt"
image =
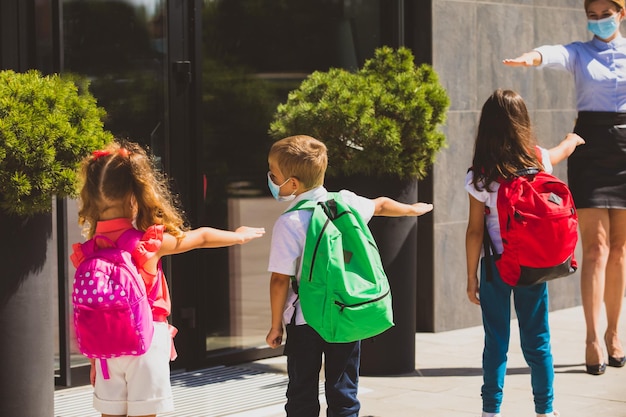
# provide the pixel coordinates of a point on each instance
(490, 199)
(289, 236)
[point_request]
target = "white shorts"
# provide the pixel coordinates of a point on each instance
(138, 385)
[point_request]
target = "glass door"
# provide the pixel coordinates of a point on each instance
(254, 53)
(119, 48)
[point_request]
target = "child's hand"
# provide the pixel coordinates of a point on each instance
(472, 290)
(385, 206)
(564, 149)
(422, 208)
(577, 140)
(274, 338)
(249, 233)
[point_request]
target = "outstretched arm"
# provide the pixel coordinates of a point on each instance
(565, 148)
(385, 206)
(528, 59)
(208, 237)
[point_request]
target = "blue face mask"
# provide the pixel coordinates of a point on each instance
(603, 28)
(275, 189)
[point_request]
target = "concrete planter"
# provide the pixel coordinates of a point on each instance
(392, 352)
(28, 259)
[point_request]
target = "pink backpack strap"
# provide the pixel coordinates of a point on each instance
(129, 240)
(91, 246)
(105, 369)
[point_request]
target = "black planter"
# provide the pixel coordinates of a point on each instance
(392, 352)
(27, 255)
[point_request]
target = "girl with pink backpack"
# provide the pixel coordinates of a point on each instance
(122, 190)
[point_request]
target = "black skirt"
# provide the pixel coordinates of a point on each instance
(596, 171)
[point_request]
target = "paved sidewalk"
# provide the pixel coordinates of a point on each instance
(448, 377)
(446, 382)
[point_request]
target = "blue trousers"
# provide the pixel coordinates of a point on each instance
(531, 307)
(304, 349)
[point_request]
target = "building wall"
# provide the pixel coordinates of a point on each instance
(470, 39)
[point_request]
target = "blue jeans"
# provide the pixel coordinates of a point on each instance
(531, 306)
(304, 349)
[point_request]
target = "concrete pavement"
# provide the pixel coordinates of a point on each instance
(446, 382)
(448, 377)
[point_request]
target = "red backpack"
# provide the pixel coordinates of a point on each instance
(539, 229)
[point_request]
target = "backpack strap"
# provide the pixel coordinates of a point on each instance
(526, 171)
(105, 368)
(308, 205)
(295, 287)
(91, 246)
(129, 240)
(488, 247)
(302, 205)
(533, 170)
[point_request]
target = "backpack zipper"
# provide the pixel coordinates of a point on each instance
(343, 306)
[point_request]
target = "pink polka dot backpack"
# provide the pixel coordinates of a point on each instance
(112, 312)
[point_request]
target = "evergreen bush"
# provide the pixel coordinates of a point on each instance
(381, 120)
(47, 126)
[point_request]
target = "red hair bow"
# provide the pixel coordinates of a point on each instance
(99, 154)
(123, 152)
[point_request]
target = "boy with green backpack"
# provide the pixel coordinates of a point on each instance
(327, 284)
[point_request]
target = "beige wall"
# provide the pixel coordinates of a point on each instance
(470, 39)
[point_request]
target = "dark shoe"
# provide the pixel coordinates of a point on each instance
(596, 369)
(617, 362)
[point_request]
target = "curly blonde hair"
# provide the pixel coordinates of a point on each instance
(120, 172)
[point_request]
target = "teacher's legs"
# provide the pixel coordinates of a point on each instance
(603, 272)
(615, 281)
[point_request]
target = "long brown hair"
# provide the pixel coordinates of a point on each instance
(505, 142)
(119, 173)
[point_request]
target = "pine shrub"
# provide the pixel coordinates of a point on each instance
(47, 126)
(381, 120)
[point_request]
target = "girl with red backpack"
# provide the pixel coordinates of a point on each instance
(123, 190)
(505, 144)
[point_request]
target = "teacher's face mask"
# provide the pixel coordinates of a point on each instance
(603, 28)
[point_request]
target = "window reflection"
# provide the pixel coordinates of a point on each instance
(118, 46)
(254, 53)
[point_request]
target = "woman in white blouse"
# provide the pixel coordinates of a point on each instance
(597, 170)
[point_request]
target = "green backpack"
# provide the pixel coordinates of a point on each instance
(344, 292)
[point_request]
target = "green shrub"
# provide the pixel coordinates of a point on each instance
(47, 126)
(381, 120)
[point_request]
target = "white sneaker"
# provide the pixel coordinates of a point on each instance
(491, 414)
(552, 414)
